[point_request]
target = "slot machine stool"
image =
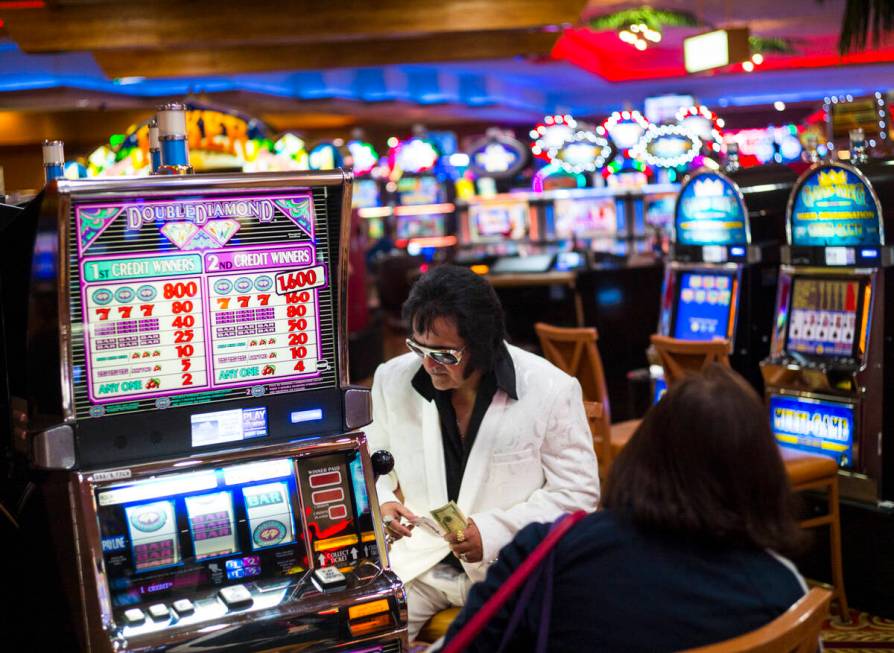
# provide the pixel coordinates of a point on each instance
(820, 473)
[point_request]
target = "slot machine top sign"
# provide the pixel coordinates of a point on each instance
(834, 205)
(710, 211)
(197, 299)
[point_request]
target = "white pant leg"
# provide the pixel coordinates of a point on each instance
(439, 588)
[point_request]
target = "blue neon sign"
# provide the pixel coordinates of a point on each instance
(834, 206)
(710, 211)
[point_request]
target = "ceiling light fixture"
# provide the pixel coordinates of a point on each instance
(639, 35)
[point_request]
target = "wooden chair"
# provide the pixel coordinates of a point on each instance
(601, 435)
(805, 471)
(795, 631)
(575, 352)
(437, 626)
(682, 357)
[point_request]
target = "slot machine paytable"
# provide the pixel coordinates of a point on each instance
(829, 368)
(189, 393)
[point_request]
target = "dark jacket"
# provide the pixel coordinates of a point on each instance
(616, 588)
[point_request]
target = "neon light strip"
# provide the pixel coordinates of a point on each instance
(732, 310)
(375, 212)
(434, 241)
(867, 294)
(425, 209)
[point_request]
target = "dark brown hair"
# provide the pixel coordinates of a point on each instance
(458, 294)
(704, 464)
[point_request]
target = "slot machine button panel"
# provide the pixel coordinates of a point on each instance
(184, 607)
(159, 612)
(134, 616)
(237, 596)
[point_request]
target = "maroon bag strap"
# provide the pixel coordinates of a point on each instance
(480, 619)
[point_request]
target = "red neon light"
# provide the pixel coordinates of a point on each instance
(23, 4)
(612, 60)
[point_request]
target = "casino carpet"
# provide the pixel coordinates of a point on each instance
(865, 634)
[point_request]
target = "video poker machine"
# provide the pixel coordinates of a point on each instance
(188, 397)
(721, 277)
(830, 366)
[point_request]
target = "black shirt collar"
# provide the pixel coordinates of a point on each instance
(504, 372)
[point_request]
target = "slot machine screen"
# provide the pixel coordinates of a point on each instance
(585, 218)
(824, 316)
(704, 302)
(199, 300)
(492, 221)
(420, 226)
(188, 534)
(366, 194)
(814, 425)
(659, 209)
(414, 191)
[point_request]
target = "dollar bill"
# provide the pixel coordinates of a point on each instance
(428, 524)
(450, 517)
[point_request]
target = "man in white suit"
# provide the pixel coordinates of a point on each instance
(471, 419)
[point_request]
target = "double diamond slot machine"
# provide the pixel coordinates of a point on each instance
(189, 392)
(830, 362)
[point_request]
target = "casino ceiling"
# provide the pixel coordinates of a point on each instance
(332, 65)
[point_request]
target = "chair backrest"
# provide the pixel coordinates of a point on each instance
(574, 351)
(795, 631)
(682, 357)
(600, 431)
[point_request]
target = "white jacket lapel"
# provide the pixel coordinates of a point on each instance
(477, 465)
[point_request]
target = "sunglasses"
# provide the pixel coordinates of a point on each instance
(441, 356)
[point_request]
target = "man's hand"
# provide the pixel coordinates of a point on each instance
(467, 547)
(392, 511)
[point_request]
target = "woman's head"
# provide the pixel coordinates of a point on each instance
(703, 463)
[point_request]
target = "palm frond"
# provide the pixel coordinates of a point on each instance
(864, 21)
(775, 45)
(654, 18)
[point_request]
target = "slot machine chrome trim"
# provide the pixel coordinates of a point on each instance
(91, 568)
(60, 210)
(176, 185)
(796, 188)
(691, 177)
(344, 372)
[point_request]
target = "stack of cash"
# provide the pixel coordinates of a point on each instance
(450, 518)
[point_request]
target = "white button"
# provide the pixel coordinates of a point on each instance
(329, 577)
(184, 607)
(159, 611)
(235, 596)
(134, 616)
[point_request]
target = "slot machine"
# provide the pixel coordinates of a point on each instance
(490, 228)
(830, 365)
(721, 277)
(187, 397)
